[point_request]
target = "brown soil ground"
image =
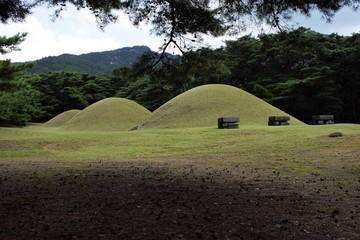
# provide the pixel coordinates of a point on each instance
(171, 199)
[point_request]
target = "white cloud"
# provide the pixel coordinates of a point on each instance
(344, 22)
(74, 32)
(154, 44)
(77, 32)
(35, 44)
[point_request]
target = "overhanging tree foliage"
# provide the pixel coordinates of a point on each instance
(9, 44)
(16, 10)
(183, 21)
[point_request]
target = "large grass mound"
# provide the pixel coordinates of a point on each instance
(61, 118)
(202, 106)
(111, 114)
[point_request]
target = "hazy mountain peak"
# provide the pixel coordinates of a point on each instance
(100, 63)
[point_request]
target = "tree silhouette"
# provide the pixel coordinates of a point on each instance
(183, 22)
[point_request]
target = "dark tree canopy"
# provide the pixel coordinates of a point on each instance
(18, 101)
(9, 44)
(183, 20)
(16, 10)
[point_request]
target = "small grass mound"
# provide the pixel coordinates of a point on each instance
(202, 106)
(62, 118)
(111, 114)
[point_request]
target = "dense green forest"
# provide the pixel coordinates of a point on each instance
(301, 72)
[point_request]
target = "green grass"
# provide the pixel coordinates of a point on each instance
(61, 118)
(111, 114)
(201, 106)
(302, 149)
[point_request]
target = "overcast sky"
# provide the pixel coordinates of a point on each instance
(76, 32)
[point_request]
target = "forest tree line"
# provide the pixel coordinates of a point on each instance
(302, 72)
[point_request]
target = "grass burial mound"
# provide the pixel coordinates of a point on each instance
(202, 106)
(62, 118)
(111, 114)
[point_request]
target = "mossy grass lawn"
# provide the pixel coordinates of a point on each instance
(302, 149)
(254, 182)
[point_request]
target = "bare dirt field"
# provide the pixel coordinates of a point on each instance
(172, 199)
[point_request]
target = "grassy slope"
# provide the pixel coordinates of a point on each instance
(201, 106)
(304, 149)
(61, 118)
(111, 114)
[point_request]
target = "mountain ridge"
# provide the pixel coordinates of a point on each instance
(95, 63)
